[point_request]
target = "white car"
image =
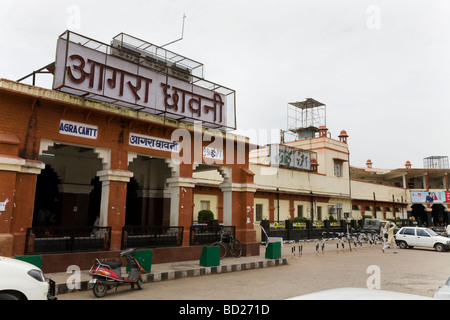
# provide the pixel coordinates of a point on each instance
(409, 237)
(359, 294)
(443, 292)
(21, 280)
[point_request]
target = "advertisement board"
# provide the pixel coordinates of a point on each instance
(430, 196)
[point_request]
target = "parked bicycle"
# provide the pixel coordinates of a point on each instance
(228, 244)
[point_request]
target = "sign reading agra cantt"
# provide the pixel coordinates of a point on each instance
(132, 77)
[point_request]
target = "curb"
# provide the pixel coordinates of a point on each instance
(83, 285)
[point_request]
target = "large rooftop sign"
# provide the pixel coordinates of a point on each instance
(141, 76)
(289, 157)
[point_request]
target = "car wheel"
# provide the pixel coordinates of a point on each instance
(403, 245)
(8, 296)
(439, 247)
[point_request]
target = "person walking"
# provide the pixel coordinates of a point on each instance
(390, 227)
(448, 230)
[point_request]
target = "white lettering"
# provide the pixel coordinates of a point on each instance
(374, 280)
(196, 310)
(74, 280)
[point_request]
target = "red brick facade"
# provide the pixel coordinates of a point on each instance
(30, 118)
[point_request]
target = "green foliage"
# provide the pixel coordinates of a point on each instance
(205, 215)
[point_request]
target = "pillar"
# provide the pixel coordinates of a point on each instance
(181, 186)
(22, 212)
(17, 191)
(242, 197)
(113, 202)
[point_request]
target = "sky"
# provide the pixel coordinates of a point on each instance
(381, 67)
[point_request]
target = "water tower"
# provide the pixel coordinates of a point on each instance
(305, 118)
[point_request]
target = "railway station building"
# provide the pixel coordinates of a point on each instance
(132, 142)
(117, 143)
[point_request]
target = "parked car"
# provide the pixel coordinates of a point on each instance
(409, 237)
(444, 292)
(370, 224)
(359, 294)
(20, 280)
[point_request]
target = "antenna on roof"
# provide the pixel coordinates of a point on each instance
(182, 33)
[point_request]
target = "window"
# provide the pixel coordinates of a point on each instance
(259, 212)
(409, 232)
(300, 210)
(204, 205)
(319, 213)
(422, 233)
(338, 168)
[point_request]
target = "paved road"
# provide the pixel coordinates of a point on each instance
(414, 271)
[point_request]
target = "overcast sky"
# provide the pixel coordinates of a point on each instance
(381, 67)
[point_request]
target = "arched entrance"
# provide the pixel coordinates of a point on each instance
(67, 191)
(419, 213)
(438, 214)
(148, 198)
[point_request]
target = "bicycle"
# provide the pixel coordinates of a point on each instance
(229, 244)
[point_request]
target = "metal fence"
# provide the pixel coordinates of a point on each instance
(67, 239)
(201, 234)
(151, 236)
(289, 230)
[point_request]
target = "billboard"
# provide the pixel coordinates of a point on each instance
(97, 71)
(430, 196)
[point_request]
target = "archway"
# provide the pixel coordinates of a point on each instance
(438, 215)
(419, 213)
(70, 183)
(148, 197)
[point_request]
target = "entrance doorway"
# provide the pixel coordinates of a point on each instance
(438, 214)
(148, 198)
(419, 214)
(67, 190)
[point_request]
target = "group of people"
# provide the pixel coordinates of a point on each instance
(387, 233)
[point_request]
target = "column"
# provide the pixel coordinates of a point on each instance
(17, 192)
(22, 211)
(113, 202)
(181, 186)
(242, 202)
